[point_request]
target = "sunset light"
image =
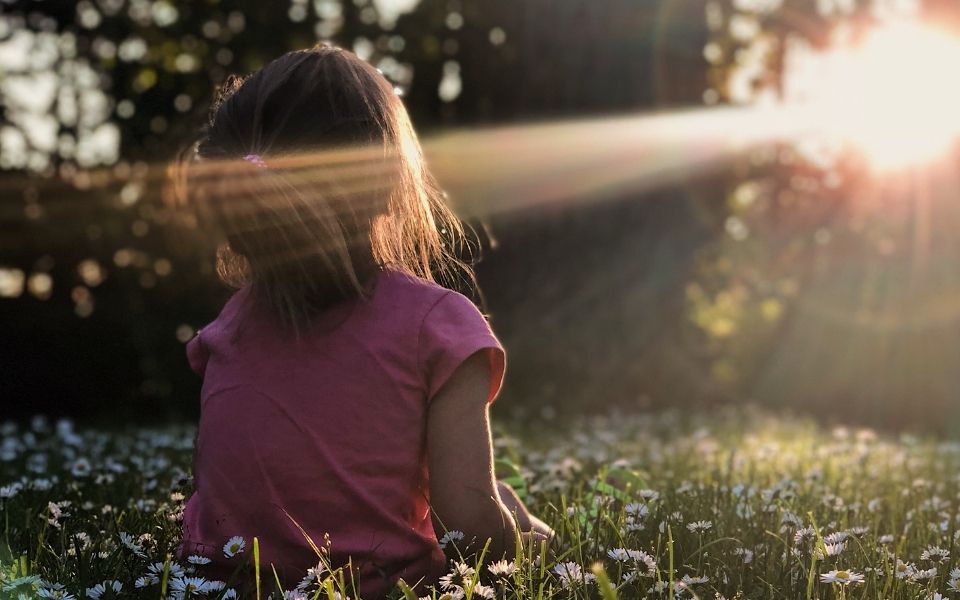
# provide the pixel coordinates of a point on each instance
(889, 94)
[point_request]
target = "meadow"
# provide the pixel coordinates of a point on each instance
(737, 503)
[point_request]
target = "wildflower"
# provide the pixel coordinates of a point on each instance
(127, 541)
(858, 530)
(234, 546)
(639, 556)
(458, 576)
(745, 554)
(230, 594)
(831, 550)
(841, 577)
(450, 536)
(637, 509)
(790, 518)
(145, 581)
(618, 554)
(803, 535)
(835, 538)
(935, 553)
(185, 586)
(80, 467)
(632, 524)
(649, 495)
(885, 539)
(699, 526)
(502, 568)
(483, 591)
(55, 591)
(921, 574)
(9, 491)
(13, 584)
(97, 591)
(156, 569)
(42, 484)
(571, 574)
(658, 587)
(903, 570)
(196, 559)
(745, 511)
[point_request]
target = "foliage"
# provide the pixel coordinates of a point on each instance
(740, 504)
(102, 290)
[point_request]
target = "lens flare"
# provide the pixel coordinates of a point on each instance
(892, 94)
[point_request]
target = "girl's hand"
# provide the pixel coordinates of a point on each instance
(541, 543)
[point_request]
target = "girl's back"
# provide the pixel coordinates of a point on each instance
(326, 436)
(337, 363)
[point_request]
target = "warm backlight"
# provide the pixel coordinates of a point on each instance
(894, 94)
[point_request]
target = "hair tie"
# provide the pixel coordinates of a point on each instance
(256, 159)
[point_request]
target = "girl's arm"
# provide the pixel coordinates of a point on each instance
(463, 489)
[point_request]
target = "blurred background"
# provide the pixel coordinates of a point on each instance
(758, 198)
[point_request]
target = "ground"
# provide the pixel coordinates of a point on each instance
(737, 503)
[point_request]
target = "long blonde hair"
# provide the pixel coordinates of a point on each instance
(311, 172)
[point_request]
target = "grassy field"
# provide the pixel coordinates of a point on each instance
(737, 504)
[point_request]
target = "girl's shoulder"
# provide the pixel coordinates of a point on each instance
(402, 288)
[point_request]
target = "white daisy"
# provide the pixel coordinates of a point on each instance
(803, 535)
(572, 574)
(903, 570)
(831, 550)
(458, 576)
(184, 586)
(97, 591)
(935, 553)
(234, 546)
(687, 580)
(841, 577)
(146, 580)
(450, 536)
(55, 591)
(176, 570)
(127, 541)
(619, 554)
(745, 554)
(483, 591)
(502, 568)
(835, 538)
(699, 526)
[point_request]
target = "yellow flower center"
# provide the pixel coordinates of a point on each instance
(843, 575)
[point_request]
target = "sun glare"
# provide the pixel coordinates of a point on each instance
(893, 95)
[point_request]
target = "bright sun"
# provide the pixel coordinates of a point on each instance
(895, 94)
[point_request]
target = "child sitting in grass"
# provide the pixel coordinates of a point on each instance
(345, 394)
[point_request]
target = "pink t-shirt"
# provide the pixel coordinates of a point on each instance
(330, 430)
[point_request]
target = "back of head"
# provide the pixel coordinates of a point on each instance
(311, 175)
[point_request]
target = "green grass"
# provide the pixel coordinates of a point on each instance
(737, 504)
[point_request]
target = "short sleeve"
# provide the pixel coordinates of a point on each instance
(452, 331)
(197, 355)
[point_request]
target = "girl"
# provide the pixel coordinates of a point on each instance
(345, 395)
